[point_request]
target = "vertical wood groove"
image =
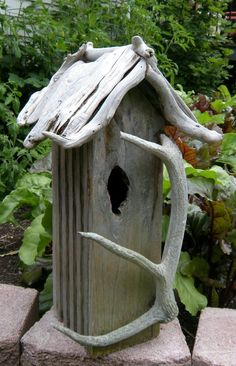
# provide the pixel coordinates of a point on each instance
(64, 241)
(95, 291)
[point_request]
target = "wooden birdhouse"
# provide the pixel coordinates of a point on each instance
(105, 110)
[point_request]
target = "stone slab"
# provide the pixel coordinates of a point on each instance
(215, 343)
(18, 312)
(45, 346)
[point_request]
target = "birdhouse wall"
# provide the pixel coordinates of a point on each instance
(112, 188)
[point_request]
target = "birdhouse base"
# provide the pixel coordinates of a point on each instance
(44, 345)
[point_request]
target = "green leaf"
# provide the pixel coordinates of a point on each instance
(197, 222)
(15, 199)
(205, 117)
(200, 185)
(228, 150)
(193, 300)
(206, 173)
(34, 242)
(47, 219)
(197, 267)
(224, 92)
(13, 78)
(226, 182)
(45, 296)
(218, 105)
(35, 181)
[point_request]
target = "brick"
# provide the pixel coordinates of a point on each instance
(18, 312)
(215, 343)
(45, 346)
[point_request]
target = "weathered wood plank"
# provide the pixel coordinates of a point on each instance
(108, 292)
(63, 99)
(64, 236)
(56, 231)
(109, 78)
(106, 112)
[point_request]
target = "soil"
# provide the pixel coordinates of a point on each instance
(10, 241)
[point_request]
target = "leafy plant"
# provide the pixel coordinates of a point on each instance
(207, 267)
(14, 159)
(33, 190)
(35, 41)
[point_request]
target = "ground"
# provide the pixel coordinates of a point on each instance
(10, 241)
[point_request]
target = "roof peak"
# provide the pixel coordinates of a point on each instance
(84, 94)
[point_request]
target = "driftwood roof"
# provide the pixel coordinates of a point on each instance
(84, 94)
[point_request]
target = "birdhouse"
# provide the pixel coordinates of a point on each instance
(105, 110)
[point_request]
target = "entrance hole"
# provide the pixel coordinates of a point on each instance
(118, 186)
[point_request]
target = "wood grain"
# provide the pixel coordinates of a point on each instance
(104, 292)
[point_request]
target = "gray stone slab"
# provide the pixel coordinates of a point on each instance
(18, 312)
(45, 346)
(215, 343)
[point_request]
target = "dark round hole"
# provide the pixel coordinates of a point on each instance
(118, 186)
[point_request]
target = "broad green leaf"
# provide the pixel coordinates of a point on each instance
(228, 150)
(35, 181)
(34, 242)
(16, 198)
(220, 218)
(218, 105)
(47, 219)
(205, 117)
(206, 173)
(193, 300)
(197, 222)
(200, 185)
(224, 92)
(45, 296)
(226, 182)
(197, 267)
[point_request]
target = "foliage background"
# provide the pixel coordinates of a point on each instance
(191, 51)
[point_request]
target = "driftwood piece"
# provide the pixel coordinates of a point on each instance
(107, 110)
(174, 112)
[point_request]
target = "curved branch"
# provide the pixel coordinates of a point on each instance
(92, 54)
(152, 316)
(174, 114)
(128, 254)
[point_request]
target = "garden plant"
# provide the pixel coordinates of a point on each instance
(192, 53)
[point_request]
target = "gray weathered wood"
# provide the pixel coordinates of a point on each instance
(106, 292)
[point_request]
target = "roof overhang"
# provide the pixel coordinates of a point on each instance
(84, 94)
